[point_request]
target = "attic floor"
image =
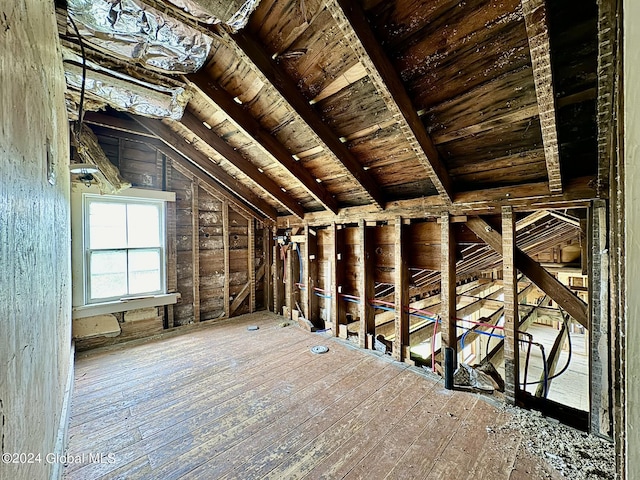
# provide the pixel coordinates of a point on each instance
(225, 402)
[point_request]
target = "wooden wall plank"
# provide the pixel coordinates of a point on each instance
(195, 248)
(225, 236)
(251, 264)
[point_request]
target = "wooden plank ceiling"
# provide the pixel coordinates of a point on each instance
(323, 105)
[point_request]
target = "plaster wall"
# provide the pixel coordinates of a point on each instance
(35, 299)
(632, 231)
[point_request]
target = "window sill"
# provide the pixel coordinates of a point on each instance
(94, 309)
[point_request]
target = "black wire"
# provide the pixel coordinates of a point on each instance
(84, 76)
(566, 366)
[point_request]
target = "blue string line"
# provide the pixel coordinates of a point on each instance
(479, 332)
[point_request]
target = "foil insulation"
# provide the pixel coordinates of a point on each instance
(122, 92)
(129, 29)
(233, 13)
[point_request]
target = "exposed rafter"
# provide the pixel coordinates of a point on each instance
(132, 130)
(196, 157)
(353, 23)
(126, 125)
(256, 55)
(535, 15)
(243, 119)
(190, 121)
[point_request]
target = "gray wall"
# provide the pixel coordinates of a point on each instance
(632, 231)
(35, 318)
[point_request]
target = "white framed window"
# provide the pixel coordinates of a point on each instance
(118, 250)
(124, 247)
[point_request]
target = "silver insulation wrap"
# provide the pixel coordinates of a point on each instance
(122, 92)
(233, 13)
(129, 29)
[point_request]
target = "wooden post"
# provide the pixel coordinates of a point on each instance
(195, 247)
(225, 244)
(172, 253)
(305, 292)
(267, 281)
(278, 276)
(448, 285)
(160, 182)
(401, 276)
(600, 413)
(289, 287)
(311, 273)
(251, 260)
(334, 301)
(366, 286)
(511, 320)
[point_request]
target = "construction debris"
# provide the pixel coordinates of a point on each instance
(473, 377)
(572, 453)
(382, 345)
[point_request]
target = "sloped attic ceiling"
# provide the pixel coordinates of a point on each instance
(335, 107)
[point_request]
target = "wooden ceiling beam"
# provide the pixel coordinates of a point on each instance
(195, 125)
(255, 54)
(131, 130)
(120, 124)
(535, 16)
(534, 272)
(355, 27)
(566, 218)
(251, 127)
(524, 198)
(112, 132)
(232, 188)
(530, 219)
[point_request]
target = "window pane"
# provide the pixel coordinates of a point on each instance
(108, 274)
(144, 225)
(107, 225)
(144, 271)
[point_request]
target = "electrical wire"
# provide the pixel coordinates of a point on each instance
(84, 77)
(569, 354)
(545, 366)
(464, 335)
(526, 362)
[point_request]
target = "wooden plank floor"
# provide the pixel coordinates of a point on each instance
(225, 402)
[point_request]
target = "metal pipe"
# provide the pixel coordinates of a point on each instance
(449, 367)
